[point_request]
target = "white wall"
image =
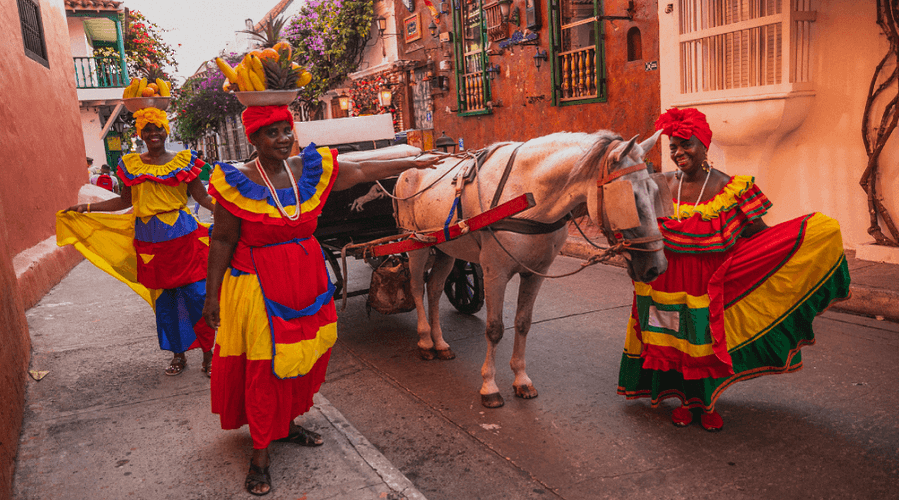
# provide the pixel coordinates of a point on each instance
(90, 128)
(77, 39)
(814, 165)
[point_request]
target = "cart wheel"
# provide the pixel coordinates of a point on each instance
(465, 287)
(338, 277)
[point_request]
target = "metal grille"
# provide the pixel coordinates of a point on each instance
(33, 31)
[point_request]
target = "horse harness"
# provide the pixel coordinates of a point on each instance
(511, 224)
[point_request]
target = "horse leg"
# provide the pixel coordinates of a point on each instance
(494, 292)
(418, 261)
(529, 286)
(443, 264)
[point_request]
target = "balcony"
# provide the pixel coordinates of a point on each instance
(98, 73)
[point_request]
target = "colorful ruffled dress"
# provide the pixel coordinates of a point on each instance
(277, 315)
(729, 308)
(159, 250)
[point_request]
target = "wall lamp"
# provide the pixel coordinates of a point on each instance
(432, 28)
(504, 10)
(382, 25)
(539, 57)
(344, 101)
(493, 71)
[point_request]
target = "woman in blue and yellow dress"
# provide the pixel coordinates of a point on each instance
(160, 250)
(268, 290)
(738, 298)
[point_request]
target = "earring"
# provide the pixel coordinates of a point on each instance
(705, 166)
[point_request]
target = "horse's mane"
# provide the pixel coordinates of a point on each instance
(592, 157)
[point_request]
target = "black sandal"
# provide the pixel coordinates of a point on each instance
(255, 477)
(303, 437)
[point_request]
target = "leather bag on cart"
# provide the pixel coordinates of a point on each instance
(390, 291)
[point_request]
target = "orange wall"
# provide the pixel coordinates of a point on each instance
(43, 169)
(525, 91)
(41, 129)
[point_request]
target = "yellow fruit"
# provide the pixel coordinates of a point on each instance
(227, 70)
(256, 67)
(130, 90)
(243, 79)
(153, 86)
(255, 81)
(141, 87)
(148, 92)
(304, 79)
(164, 89)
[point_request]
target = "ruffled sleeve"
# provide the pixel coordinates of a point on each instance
(251, 201)
(185, 167)
(715, 225)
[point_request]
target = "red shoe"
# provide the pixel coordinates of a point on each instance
(682, 416)
(712, 421)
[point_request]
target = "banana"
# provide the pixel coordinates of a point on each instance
(131, 89)
(255, 81)
(243, 80)
(164, 90)
(141, 87)
(257, 68)
(227, 70)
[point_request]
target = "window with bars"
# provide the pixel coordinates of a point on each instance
(576, 39)
(473, 86)
(33, 31)
(743, 46)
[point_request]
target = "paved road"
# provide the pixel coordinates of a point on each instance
(828, 431)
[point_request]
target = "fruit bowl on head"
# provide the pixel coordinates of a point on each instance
(267, 97)
(135, 103)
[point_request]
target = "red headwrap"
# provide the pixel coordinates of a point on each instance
(257, 117)
(684, 123)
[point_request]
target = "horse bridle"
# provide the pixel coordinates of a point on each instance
(616, 240)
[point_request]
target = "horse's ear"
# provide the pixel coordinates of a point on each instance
(650, 142)
(624, 150)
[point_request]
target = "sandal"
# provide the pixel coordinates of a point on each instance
(176, 366)
(682, 416)
(206, 368)
(255, 477)
(712, 422)
(303, 437)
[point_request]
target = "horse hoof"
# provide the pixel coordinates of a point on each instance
(525, 391)
(494, 400)
(427, 354)
(445, 354)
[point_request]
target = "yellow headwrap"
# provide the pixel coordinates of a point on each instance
(155, 116)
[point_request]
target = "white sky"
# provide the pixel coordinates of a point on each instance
(201, 27)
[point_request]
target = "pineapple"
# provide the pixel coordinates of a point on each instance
(271, 34)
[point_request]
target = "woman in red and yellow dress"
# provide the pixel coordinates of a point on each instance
(738, 298)
(160, 250)
(268, 290)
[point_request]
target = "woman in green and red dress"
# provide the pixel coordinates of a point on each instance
(268, 290)
(738, 298)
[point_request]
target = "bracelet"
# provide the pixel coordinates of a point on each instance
(89, 208)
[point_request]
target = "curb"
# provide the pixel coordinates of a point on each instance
(393, 478)
(864, 301)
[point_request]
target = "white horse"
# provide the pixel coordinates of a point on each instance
(561, 171)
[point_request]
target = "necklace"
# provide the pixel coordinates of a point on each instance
(272, 190)
(680, 182)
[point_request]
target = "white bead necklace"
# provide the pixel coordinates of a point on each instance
(272, 190)
(680, 182)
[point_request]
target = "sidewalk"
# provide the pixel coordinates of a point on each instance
(105, 422)
(873, 285)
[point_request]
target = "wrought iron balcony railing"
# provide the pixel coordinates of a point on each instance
(98, 73)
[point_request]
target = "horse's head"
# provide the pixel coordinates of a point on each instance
(626, 205)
